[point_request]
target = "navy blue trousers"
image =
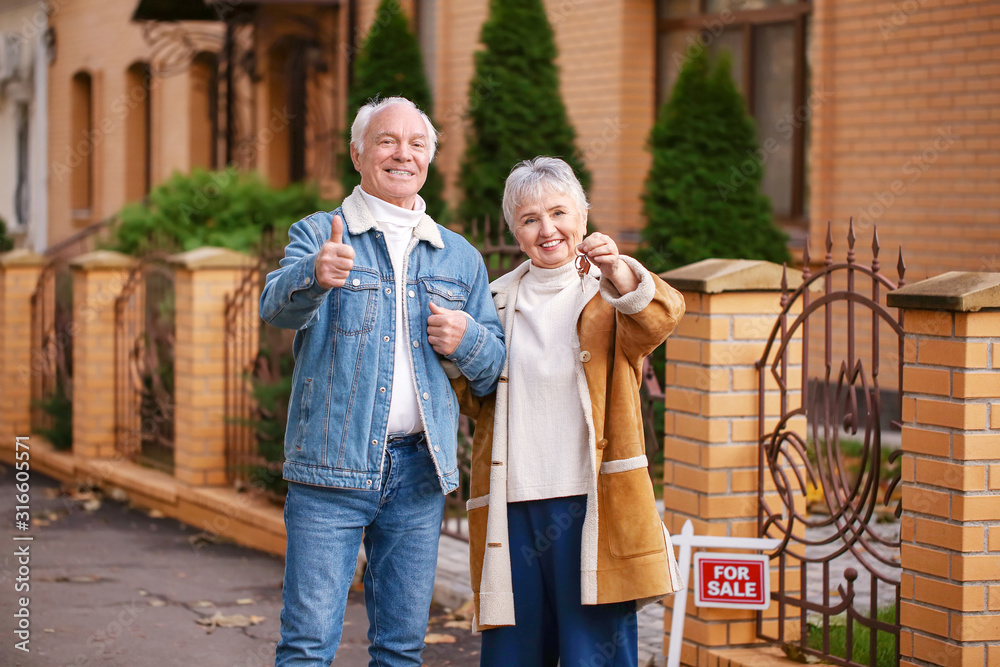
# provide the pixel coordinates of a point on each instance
(552, 624)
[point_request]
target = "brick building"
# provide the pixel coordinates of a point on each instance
(884, 111)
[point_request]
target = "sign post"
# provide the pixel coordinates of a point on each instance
(739, 581)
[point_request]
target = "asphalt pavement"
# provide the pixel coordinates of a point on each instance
(114, 585)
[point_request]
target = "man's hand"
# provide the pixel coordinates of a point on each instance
(335, 259)
(445, 329)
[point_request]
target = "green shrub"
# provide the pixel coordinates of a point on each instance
(389, 64)
(516, 111)
(59, 409)
(223, 208)
(703, 197)
(6, 243)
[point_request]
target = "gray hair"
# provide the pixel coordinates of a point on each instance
(359, 128)
(530, 180)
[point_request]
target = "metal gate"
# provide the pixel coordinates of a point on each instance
(144, 365)
(841, 544)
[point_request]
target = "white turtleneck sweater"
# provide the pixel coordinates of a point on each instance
(397, 225)
(547, 451)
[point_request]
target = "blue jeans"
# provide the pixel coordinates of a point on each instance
(553, 627)
(401, 525)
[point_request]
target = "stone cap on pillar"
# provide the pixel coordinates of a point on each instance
(21, 257)
(959, 291)
(210, 257)
(103, 259)
(715, 276)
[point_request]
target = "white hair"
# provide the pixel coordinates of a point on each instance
(530, 180)
(359, 128)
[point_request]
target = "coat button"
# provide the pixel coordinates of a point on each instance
(382, 389)
(388, 290)
(426, 396)
(374, 442)
(355, 282)
(416, 343)
(436, 448)
(585, 356)
(411, 294)
(369, 482)
(385, 338)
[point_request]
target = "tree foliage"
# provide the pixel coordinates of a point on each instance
(703, 197)
(390, 64)
(516, 111)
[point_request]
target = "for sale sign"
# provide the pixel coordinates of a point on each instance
(734, 581)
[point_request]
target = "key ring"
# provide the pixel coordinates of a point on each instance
(582, 265)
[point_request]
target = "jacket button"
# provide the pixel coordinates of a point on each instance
(436, 448)
(416, 343)
(382, 389)
(374, 442)
(385, 338)
(585, 356)
(426, 395)
(388, 290)
(356, 282)
(602, 443)
(369, 482)
(411, 294)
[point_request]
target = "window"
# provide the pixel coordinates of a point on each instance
(204, 149)
(22, 207)
(138, 132)
(767, 41)
(82, 147)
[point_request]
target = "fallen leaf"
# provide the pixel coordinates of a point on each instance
(118, 494)
(461, 625)
(86, 579)
(204, 603)
(157, 603)
(795, 653)
(245, 601)
(466, 611)
(143, 592)
(437, 638)
(218, 620)
(48, 629)
(156, 514)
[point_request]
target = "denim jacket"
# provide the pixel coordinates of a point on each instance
(345, 340)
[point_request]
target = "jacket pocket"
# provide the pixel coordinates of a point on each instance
(357, 303)
(446, 293)
(629, 513)
(304, 410)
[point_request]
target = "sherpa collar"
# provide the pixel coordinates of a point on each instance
(360, 220)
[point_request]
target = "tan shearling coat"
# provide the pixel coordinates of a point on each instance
(626, 552)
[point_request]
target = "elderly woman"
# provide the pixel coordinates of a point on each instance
(565, 534)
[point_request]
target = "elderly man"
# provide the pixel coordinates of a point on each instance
(382, 300)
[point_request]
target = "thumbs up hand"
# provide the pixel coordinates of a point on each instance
(445, 329)
(335, 259)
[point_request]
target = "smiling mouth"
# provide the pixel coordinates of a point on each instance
(397, 172)
(551, 244)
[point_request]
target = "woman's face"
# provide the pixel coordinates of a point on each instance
(549, 230)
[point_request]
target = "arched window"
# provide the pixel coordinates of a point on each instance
(82, 147)
(204, 111)
(138, 132)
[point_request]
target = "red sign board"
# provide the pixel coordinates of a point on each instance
(734, 581)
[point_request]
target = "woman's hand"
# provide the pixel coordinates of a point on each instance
(602, 251)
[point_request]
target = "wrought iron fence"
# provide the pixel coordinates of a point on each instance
(51, 365)
(144, 365)
(844, 534)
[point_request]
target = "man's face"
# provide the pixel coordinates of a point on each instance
(393, 166)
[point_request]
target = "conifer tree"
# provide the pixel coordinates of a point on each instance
(515, 108)
(703, 197)
(390, 64)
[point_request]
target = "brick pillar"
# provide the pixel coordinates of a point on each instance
(711, 400)
(19, 273)
(98, 279)
(950, 596)
(204, 277)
